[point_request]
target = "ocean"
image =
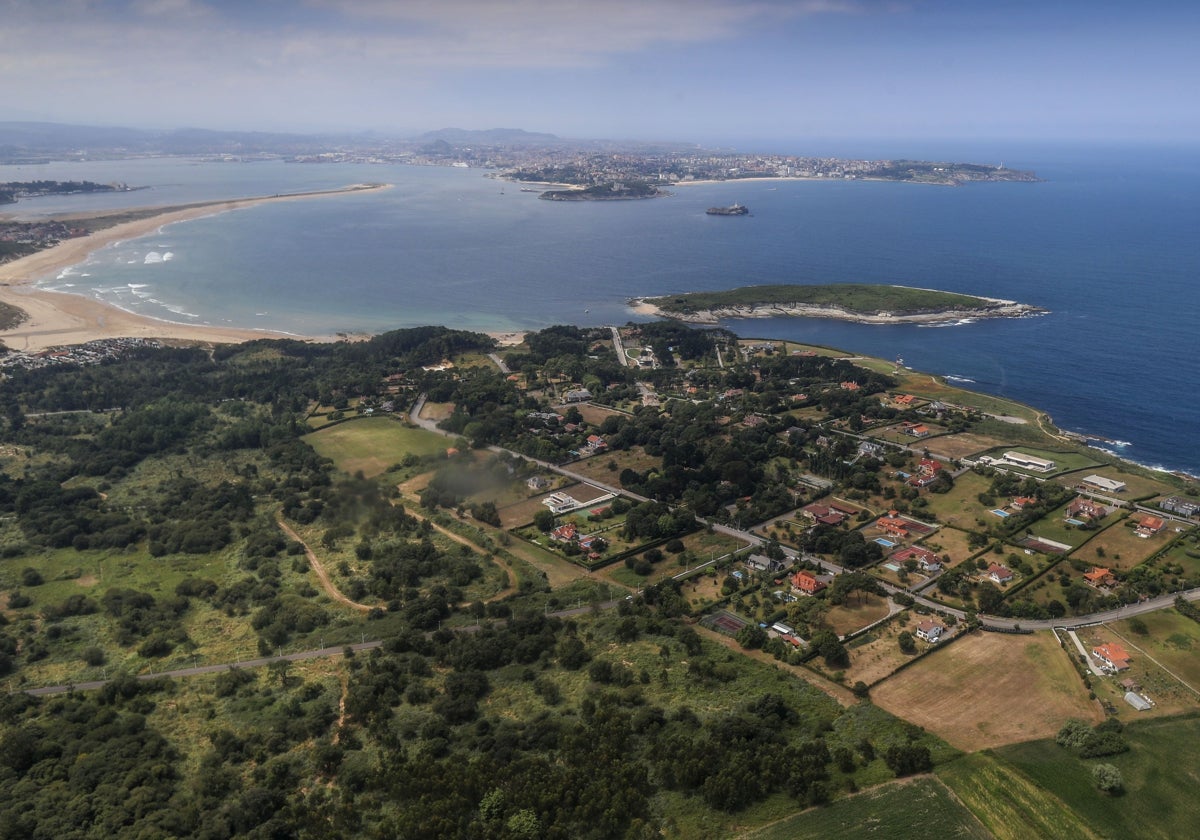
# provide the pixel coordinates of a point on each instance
(1108, 243)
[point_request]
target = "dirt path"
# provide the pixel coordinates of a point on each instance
(510, 584)
(326, 584)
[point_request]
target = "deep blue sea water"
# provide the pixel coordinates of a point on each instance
(1110, 243)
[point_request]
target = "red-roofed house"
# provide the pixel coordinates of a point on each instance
(1086, 508)
(895, 527)
(1099, 577)
(850, 386)
(1000, 573)
(927, 561)
(1022, 502)
(806, 583)
(1112, 656)
(1148, 525)
(565, 533)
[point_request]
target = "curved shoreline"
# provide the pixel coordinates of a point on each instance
(62, 318)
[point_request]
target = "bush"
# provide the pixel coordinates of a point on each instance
(1108, 779)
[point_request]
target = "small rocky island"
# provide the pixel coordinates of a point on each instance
(613, 191)
(859, 302)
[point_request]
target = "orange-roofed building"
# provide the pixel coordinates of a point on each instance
(1112, 656)
(1100, 577)
(1149, 525)
(807, 583)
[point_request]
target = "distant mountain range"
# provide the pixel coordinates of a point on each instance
(39, 141)
(34, 140)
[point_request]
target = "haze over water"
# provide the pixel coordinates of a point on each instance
(1108, 244)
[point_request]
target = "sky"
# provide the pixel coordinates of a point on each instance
(705, 71)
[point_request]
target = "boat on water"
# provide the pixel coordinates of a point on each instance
(731, 210)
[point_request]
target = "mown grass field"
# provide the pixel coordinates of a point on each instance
(1009, 804)
(913, 809)
(373, 444)
(989, 689)
(961, 506)
(963, 444)
(1161, 773)
(1119, 547)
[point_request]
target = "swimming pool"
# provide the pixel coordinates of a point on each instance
(885, 543)
(1002, 513)
(1076, 522)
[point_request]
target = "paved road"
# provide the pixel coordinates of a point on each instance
(619, 347)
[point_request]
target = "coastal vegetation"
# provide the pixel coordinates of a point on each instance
(850, 300)
(549, 606)
(612, 191)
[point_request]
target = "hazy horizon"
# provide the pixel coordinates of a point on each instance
(706, 71)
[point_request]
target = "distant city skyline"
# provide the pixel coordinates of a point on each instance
(707, 71)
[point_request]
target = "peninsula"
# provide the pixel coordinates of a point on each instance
(862, 303)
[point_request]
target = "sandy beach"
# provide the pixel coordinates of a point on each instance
(56, 318)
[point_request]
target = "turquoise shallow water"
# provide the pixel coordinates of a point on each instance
(1108, 244)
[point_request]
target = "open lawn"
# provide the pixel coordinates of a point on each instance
(1009, 804)
(521, 513)
(961, 507)
(910, 809)
(963, 444)
(597, 414)
(1118, 547)
(372, 444)
(949, 541)
(860, 609)
(1161, 773)
(988, 689)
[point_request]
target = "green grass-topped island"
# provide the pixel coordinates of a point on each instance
(861, 302)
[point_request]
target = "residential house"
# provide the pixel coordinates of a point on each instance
(930, 630)
(927, 471)
(1099, 577)
(999, 573)
(578, 395)
(764, 564)
(926, 560)
(537, 483)
(595, 444)
(1148, 526)
(850, 386)
(1085, 508)
(1112, 656)
(806, 583)
(565, 533)
(823, 514)
(1022, 502)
